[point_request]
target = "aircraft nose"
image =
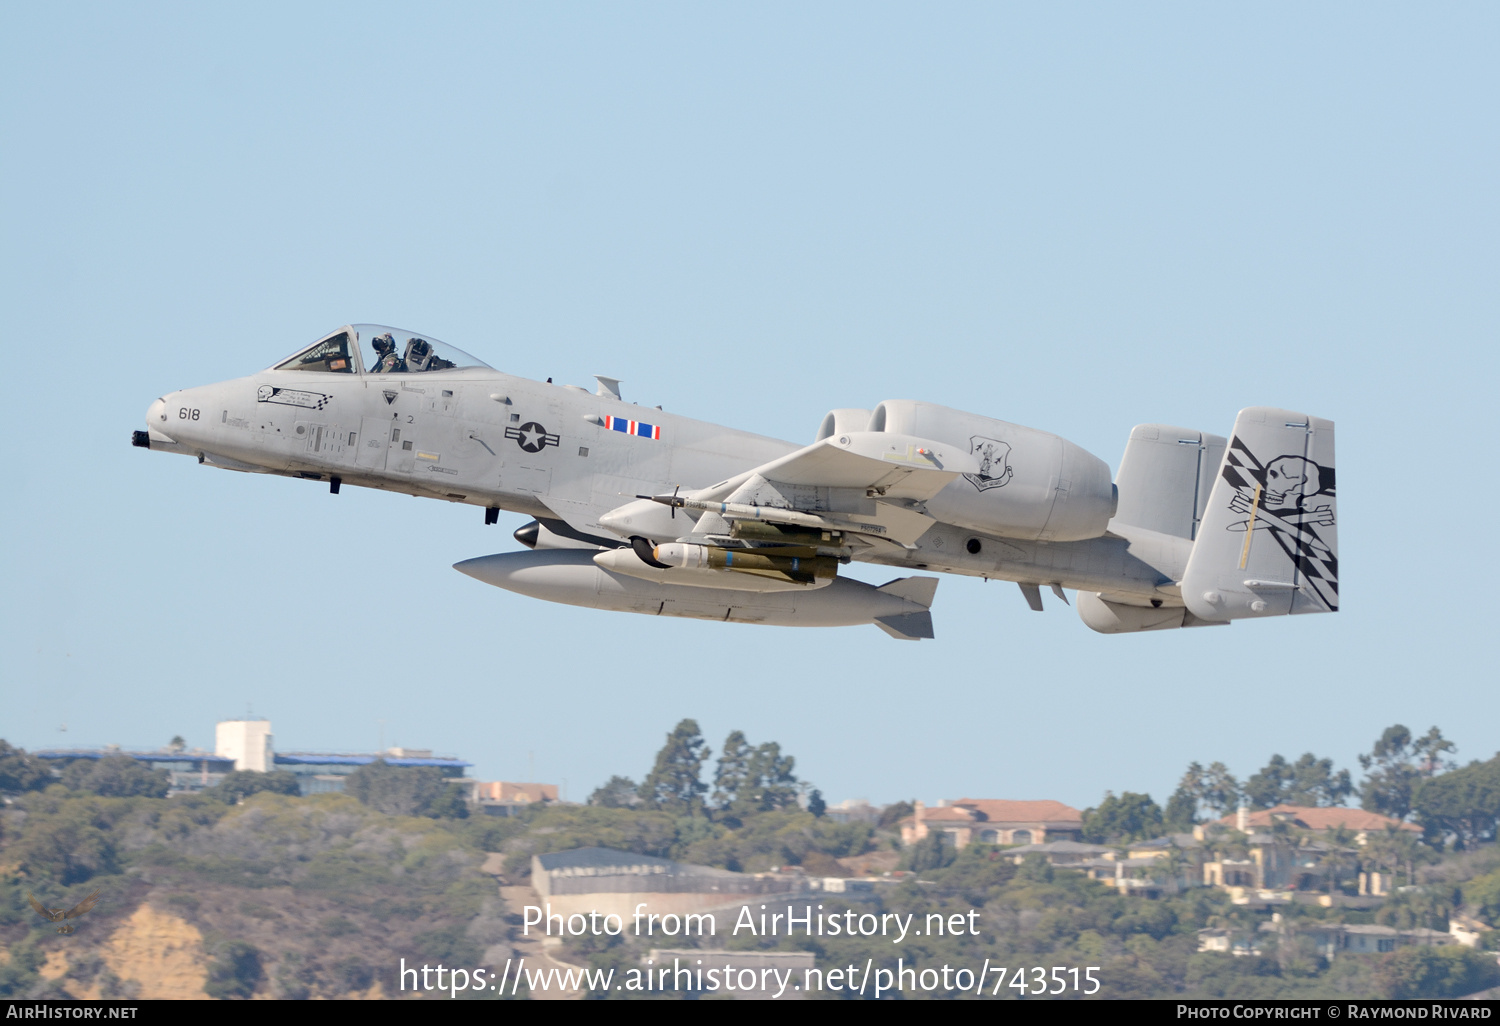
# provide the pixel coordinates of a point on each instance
(156, 425)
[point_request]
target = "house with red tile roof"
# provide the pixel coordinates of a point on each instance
(1308, 817)
(994, 821)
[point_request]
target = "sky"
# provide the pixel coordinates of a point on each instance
(1077, 217)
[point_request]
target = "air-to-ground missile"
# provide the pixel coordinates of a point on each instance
(900, 608)
(805, 568)
(628, 562)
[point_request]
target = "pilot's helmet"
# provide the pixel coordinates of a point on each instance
(384, 343)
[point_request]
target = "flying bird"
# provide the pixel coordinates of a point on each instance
(57, 915)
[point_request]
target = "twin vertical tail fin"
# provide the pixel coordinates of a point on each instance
(1268, 543)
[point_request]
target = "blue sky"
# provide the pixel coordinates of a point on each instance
(1078, 218)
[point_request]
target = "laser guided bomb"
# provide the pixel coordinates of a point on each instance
(1193, 530)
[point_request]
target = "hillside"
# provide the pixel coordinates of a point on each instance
(280, 896)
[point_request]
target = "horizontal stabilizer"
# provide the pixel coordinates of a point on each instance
(914, 589)
(907, 626)
(1268, 544)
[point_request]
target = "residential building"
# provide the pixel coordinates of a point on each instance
(854, 810)
(994, 821)
(1067, 854)
(1323, 819)
(1328, 940)
(1333, 939)
(1275, 863)
(1228, 941)
(505, 798)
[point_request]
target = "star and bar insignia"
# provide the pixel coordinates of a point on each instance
(531, 436)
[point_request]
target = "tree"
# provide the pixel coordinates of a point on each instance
(616, 793)
(405, 790)
(733, 772)
(1335, 854)
(177, 744)
(1308, 781)
(68, 846)
(816, 805)
(1483, 894)
(451, 803)
(674, 784)
(893, 814)
(1130, 817)
(21, 771)
(932, 852)
(116, 776)
(750, 780)
(240, 784)
(1397, 764)
(1442, 972)
(1394, 848)
(1463, 804)
(770, 784)
(236, 972)
(1183, 807)
(1221, 791)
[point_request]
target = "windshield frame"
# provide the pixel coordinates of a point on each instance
(361, 334)
(364, 334)
(358, 357)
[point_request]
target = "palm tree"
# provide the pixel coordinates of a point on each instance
(1338, 841)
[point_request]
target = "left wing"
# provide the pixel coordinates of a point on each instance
(867, 484)
(83, 906)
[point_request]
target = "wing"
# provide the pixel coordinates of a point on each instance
(867, 483)
(41, 909)
(83, 906)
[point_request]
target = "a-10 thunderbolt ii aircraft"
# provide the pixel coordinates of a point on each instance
(643, 511)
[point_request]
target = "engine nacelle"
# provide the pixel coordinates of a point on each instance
(841, 422)
(1116, 618)
(1032, 485)
(1108, 617)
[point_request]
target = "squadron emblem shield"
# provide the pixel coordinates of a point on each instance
(994, 465)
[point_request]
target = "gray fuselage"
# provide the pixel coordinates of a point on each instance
(479, 436)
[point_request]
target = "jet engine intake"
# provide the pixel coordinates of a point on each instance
(1031, 485)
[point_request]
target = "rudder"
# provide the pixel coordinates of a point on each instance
(1268, 545)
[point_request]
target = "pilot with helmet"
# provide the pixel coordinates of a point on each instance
(387, 360)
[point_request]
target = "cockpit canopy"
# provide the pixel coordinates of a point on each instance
(380, 350)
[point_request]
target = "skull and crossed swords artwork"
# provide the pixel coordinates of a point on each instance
(1280, 497)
